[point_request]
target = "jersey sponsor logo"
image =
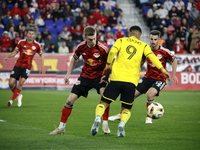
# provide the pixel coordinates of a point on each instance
(28, 52)
(92, 62)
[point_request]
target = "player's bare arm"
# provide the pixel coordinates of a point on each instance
(42, 64)
(174, 66)
(71, 66)
(11, 55)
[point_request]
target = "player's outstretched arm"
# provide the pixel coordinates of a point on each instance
(174, 66)
(42, 64)
(10, 55)
(71, 66)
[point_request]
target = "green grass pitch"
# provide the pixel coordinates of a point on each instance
(28, 127)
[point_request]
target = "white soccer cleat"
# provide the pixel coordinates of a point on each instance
(9, 103)
(121, 130)
(19, 100)
(95, 126)
(58, 131)
(115, 117)
(148, 120)
(105, 129)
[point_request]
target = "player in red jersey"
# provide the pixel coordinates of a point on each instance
(154, 81)
(95, 55)
(26, 48)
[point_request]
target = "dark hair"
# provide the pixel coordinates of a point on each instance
(135, 28)
(155, 32)
(89, 31)
(30, 30)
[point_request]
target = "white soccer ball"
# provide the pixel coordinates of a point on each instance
(155, 110)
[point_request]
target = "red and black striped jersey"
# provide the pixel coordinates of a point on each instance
(94, 59)
(164, 55)
(27, 52)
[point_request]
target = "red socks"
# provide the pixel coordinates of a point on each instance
(65, 114)
(106, 113)
(16, 93)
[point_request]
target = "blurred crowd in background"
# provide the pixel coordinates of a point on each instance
(59, 24)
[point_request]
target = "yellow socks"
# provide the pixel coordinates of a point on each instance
(100, 109)
(125, 115)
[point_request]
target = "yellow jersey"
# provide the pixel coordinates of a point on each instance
(129, 52)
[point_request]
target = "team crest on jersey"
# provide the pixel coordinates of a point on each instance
(78, 82)
(12, 72)
(159, 56)
(33, 47)
(96, 55)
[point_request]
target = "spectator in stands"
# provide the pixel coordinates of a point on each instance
(168, 5)
(45, 33)
(181, 33)
(96, 13)
(40, 40)
(94, 4)
(3, 10)
(36, 31)
(158, 3)
(197, 21)
(11, 33)
(117, 10)
(103, 18)
(41, 6)
(31, 24)
(52, 49)
(85, 4)
(189, 39)
(10, 24)
(112, 20)
(109, 37)
(177, 22)
(189, 5)
(107, 11)
(63, 3)
(15, 12)
(79, 18)
(63, 49)
(28, 18)
(5, 42)
(121, 21)
(151, 13)
(91, 20)
(197, 47)
(16, 40)
(65, 33)
(197, 4)
(156, 21)
(189, 19)
(173, 12)
(47, 42)
(162, 12)
(70, 43)
(53, 3)
(48, 12)
(73, 5)
(77, 34)
(194, 13)
(18, 28)
(34, 6)
(22, 32)
(179, 4)
(179, 46)
(10, 49)
(24, 10)
(181, 13)
(119, 33)
(170, 42)
(184, 24)
(84, 23)
(59, 41)
(56, 14)
(167, 21)
(67, 13)
(194, 39)
(39, 21)
(99, 26)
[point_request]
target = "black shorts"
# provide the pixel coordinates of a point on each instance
(83, 85)
(147, 83)
(20, 72)
(124, 89)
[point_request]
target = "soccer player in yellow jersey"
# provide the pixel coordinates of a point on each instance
(128, 53)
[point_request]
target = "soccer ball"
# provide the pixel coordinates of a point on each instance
(155, 110)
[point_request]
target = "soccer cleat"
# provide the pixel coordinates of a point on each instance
(105, 129)
(121, 130)
(95, 126)
(148, 120)
(115, 117)
(58, 131)
(19, 100)
(9, 103)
